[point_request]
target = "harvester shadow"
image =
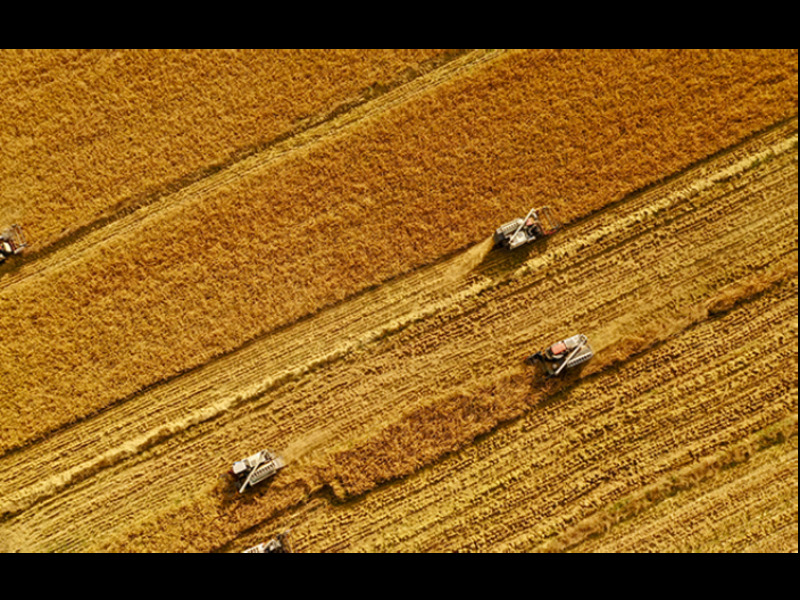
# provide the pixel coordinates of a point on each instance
(10, 265)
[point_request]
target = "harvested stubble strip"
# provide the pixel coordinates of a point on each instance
(601, 521)
(577, 130)
(419, 438)
(83, 132)
(451, 423)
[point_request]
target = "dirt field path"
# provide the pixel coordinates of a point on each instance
(328, 386)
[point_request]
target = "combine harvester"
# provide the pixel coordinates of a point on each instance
(536, 224)
(255, 469)
(277, 545)
(12, 241)
(566, 354)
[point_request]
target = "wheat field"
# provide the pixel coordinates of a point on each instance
(237, 250)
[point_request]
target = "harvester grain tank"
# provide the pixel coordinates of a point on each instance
(12, 241)
(538, 223)
(256, 468)
(565, 354)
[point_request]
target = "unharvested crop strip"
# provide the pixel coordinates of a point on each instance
(109, 130)
(355, 472)
(73, 248)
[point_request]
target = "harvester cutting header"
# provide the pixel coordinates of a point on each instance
(12, 241)
(537, 223)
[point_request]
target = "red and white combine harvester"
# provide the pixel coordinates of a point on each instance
(566, 354)
(12, 241)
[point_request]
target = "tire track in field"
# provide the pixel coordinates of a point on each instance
(725, 505)
(294, 414)
(78, 246)
(289, 354)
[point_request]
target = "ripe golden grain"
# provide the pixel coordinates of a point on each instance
(576, 130)
(86, 132)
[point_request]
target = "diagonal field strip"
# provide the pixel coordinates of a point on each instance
(338, 125)
(205, 394)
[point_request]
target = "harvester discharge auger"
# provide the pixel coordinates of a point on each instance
(256, 468)
(565, 354)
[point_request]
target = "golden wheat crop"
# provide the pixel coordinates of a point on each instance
(574, 129)
(410, 422)
(86, 132)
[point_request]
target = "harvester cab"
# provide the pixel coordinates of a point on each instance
(12, 241)
(277, 545)
(537, 223)
(256, 468)
(565, 354)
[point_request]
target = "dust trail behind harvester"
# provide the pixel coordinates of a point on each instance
(464, 263)
(299, 449)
